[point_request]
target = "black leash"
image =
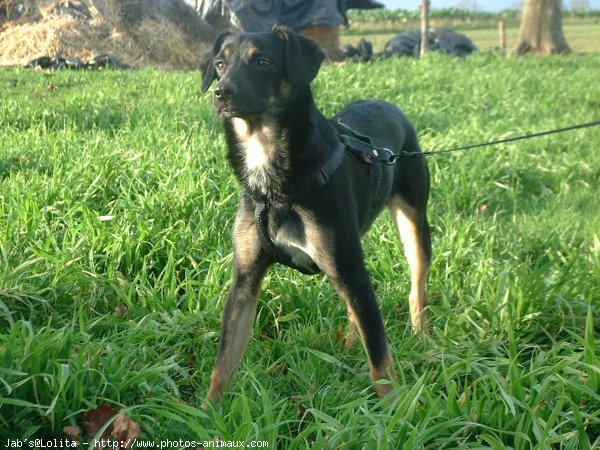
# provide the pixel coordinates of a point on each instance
(385, 155)
(510, 139)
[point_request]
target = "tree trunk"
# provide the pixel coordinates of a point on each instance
(541, 29)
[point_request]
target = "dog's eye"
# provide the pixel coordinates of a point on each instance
(263, 62)
(220, 66)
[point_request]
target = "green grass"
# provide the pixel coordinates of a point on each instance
(116, 209)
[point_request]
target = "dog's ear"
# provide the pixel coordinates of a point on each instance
(207, 66)
(303, 57)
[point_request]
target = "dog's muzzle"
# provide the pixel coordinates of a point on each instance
(224, 91)
(230, 103)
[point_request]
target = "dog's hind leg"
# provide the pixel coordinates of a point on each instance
(415, 235)
(250, 265)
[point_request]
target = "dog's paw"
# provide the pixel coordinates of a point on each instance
(351, 339)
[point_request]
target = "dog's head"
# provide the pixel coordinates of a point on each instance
(255, 70)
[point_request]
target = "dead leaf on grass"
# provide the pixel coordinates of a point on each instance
(97, 418)
(72, 434)
(125, 430)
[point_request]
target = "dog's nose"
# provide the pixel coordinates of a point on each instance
(224, 91)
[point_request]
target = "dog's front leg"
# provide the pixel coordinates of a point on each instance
(354, 286)
(250, 265)
(343, 263)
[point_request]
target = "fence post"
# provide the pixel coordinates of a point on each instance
(424, 26)
(502, 31)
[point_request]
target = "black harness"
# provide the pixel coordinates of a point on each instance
(362, 146)
(351, 141)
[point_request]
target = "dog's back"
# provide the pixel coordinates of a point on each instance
(388, 127)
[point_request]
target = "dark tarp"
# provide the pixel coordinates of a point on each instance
(261, 15)
(444, 40)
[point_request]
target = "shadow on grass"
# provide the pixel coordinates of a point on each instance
(22, 163)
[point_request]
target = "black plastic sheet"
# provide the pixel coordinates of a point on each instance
(261, 15)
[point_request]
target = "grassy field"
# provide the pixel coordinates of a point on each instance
(116, 209)
(582, 35)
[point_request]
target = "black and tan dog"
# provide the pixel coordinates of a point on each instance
(305, 200)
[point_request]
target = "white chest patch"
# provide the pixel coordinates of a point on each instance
(258, 143)
(257, 155)
(259, 146)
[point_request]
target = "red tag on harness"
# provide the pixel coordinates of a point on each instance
(367, 158)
